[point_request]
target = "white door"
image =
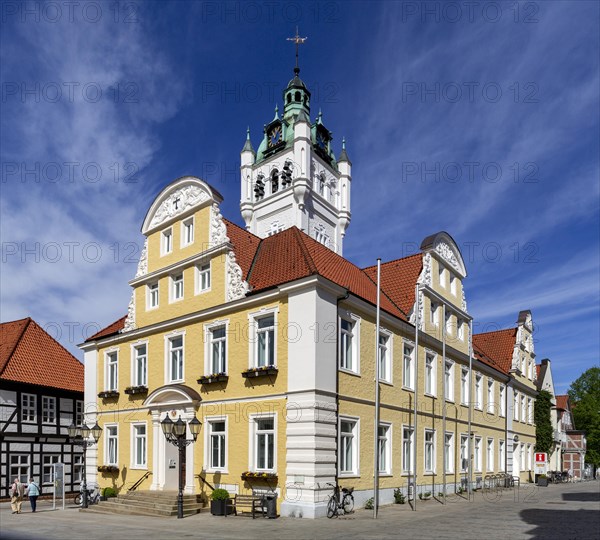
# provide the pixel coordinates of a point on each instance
(171, 466)
(516, 461)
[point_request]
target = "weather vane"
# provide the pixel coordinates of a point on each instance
(298, 41)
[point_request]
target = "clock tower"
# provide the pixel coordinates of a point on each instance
(294, 177)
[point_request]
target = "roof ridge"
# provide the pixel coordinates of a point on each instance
(17, 341)
(394, 260)
(495, 331)
(384, 293)
(305, 253)
(229, 222)
(55, 341)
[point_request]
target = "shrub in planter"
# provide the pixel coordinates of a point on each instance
(109, 492)
(399, 497)
(369, 504)
(542, 480)
(218, 504)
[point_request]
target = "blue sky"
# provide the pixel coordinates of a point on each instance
(482, 121)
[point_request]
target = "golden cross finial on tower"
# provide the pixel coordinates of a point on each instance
(298, 41)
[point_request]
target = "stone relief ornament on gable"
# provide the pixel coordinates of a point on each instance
(464, 302)
(218, 229)
(236, 286)
(446, 253)
(130, 320)
(425, 276)
(142, 268)
(178, 202)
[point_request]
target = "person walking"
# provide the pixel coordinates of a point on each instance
(33, 491)
(17, 491)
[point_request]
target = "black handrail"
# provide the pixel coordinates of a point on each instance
(206, 482)
(138, 483)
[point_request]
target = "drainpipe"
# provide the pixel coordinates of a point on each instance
(469, 439)
(337, 382)
(444, 399)
(416, 384)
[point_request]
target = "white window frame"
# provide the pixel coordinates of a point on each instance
(186, 226)
(355, 447)
(502, 394)
(254, 433)
(523, 409)
(16, 467)
(203, 277)
(442, 272)
(387, 362)
(411, 449)
(490, 396)
(49, 412)
(460, 329)
(489, 454)
(448, 323)
(208, 440)
(432, 446)
(464, 385)
(477, 455)
(208, 350)
(135, 378)
(387, 450)
(449, 387)
(434, 313)
(108, 437)
(136, 463)
(464, 452)
(478, 391)
(354, 320)
(449, 451)
(110, 384)
(430, 385)
(253, 334)
(174, 282)
(47, 466)
(152, 294)
(453, 281)
(408, 360)
(501, 454)
(168, 349)
(529, 457)
(29, 409)
(166, 242)
(530, 419)
(77, 469)
(79, 412)
(516, 406)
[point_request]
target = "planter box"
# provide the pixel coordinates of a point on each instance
(542, 482)
(107, 394)
(108, 469)
(259, 476)
(215, 378)
(219, 508)
(260, 372)
(132, 390)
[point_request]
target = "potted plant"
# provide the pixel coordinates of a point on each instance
(399, 497)
(542, 480)
(369, 504)
(218, 504)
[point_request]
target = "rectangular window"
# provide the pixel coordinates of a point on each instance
(464, 385)
(449, 452)
(347, 345)
(529, 410)
(140, 365)
(187, 232)
(502, 400)
(265, 443)
(265, 341)
(490, 396)
(448, 323)
(78, 412)
(47, 468)
(464, 453)
(152, 296)
(384, 447)
(477, 454)
(501, 455)
(478, 391)
(523, 409)
(384, 358)
(442, 276)
(408, 436)
(529, 457)
(176, 287)
(28, 408)
(218, 350)
(48, 410)
(522, 454)
(111, 448)
(176, 358)
(516, 406)
(460, 329)
(453, 281)
(434, 314)
(19, 467)
(430, 374)
(217, 444)
(77, 468)
(203, 278)
(490, 455)
(112, 371)
(348, 446)
(139, 445)
(407, 367)
(166, 242)
(449, 380)
(429, 451)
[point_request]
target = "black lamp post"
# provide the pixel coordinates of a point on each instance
(79, 435)
(175, 434)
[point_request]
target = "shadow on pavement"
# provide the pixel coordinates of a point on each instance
(563, 524)
(586, 497)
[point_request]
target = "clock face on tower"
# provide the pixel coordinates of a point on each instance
(321, 141)
(274, 136)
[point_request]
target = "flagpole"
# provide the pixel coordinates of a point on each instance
(377, 374)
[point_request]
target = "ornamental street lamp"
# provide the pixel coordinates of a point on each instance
(175, 434)
(80, 435)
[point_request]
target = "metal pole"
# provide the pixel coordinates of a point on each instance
(415, 411)
(377, 375)
(469, 438)
(181, 447)
(85, 493)
(444, 399)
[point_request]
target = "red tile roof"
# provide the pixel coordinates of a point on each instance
(244, 244)
(112, 328)
(498, 345)
(30, 355)
(562, 402)
(538, 368)
(481, 356)
(399, 279)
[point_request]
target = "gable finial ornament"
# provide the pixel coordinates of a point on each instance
(236, 286)
(446, 253)
(425, 276)
(142, 268)
(178, 202)
(129, 324)
(218, 229)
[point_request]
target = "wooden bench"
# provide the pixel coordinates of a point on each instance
(254, 502)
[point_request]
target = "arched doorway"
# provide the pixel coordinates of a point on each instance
(174, 400)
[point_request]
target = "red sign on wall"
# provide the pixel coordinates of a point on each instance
(541, 457)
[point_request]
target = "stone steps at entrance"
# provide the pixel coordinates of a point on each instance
(148, 503)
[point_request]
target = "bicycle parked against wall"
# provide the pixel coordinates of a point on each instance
(341, 502)
(93, 496)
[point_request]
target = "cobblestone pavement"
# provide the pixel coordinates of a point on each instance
(565, 511)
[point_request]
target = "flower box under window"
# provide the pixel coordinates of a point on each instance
(133, 390)
(108, 469)
(259, 372)
(213, 378)
(251, 475)
(107, 394)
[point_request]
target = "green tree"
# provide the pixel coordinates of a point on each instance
(585, 402)
(543, 423)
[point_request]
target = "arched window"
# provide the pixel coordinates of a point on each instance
(297, 96)
(289, 97)
(321, 184)
(259, 187)
(275, 181)
(305, 100)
